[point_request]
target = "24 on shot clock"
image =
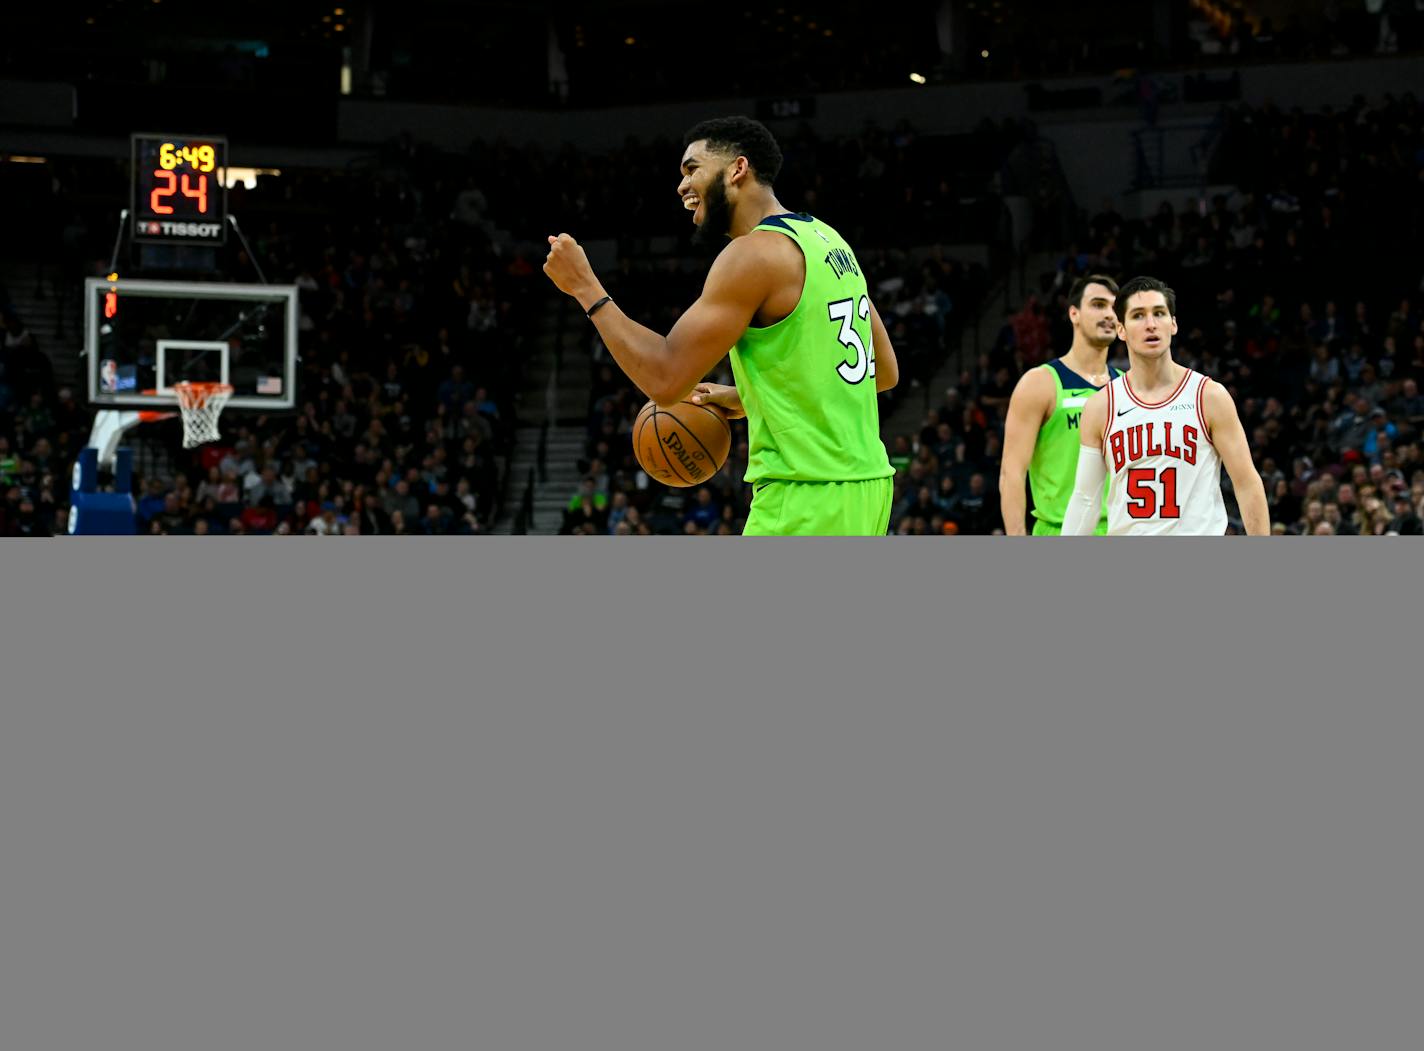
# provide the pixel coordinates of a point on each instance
(179, 189)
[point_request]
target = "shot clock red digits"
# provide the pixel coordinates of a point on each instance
(200, 192)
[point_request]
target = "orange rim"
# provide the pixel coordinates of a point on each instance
(196, 395)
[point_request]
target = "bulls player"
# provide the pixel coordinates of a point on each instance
(1161, 434)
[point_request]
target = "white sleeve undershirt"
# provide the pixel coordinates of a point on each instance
(1085, 506)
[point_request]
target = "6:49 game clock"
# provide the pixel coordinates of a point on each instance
(179, 189)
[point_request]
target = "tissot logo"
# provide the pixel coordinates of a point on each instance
(188, 229)
(198, 231)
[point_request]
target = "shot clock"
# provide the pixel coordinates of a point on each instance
(179, 190)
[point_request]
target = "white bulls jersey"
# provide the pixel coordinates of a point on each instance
(1164, 475)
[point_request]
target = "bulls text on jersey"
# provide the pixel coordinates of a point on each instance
(1152, 438)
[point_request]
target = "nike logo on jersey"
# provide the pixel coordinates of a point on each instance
(1124, 412)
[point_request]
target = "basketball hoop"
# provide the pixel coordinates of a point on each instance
(201, 403)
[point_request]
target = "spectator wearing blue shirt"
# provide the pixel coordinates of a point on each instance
(703, 510)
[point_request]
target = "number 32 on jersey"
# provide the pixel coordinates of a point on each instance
(863, 365)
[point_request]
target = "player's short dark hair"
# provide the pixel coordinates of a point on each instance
(1075, 293)
(744, 137)
(1143, 284)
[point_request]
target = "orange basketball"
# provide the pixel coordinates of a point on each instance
(681, 445)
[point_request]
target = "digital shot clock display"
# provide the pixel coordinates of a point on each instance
(179, 189)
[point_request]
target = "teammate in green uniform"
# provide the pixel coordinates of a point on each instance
(809, 352)
(1041, 429)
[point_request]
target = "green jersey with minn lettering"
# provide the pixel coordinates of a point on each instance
(1054, 466)
(807, 383)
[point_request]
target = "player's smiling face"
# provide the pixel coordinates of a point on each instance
(704, 191)
(1147, 326)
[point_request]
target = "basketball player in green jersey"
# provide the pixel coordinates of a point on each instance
(809, 352)
(1041, 429)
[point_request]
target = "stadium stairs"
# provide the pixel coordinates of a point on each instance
(543, 471)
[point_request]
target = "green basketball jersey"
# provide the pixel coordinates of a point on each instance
(1054, 466)
(808, 382)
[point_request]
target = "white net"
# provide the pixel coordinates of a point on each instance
(201, 404)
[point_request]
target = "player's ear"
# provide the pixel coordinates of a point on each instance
(1174, 325)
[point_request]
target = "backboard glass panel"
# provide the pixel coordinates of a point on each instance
(141, 337)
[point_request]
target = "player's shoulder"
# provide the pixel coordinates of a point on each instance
(753, 257)
(1037, 381)
(768, 242)
(1214, 397)
(760, 248)
(1200, 383)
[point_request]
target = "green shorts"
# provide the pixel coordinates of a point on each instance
(821, 508)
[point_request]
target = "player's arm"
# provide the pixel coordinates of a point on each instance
(1085, 506)
(1226, 433)
(1030, 405)
(666, 368)
(887, 368)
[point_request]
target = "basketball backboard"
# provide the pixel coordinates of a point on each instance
(141, 337)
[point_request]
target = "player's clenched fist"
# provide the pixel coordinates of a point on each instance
(567, 266)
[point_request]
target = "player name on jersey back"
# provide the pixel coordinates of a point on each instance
(1164, 474)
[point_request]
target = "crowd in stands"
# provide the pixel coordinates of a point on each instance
(1302, 293)
(41, 429)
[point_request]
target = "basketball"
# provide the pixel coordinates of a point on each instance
(682, 445)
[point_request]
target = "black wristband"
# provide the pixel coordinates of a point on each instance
(598, 306)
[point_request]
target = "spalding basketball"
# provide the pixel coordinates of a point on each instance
(681, 445)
